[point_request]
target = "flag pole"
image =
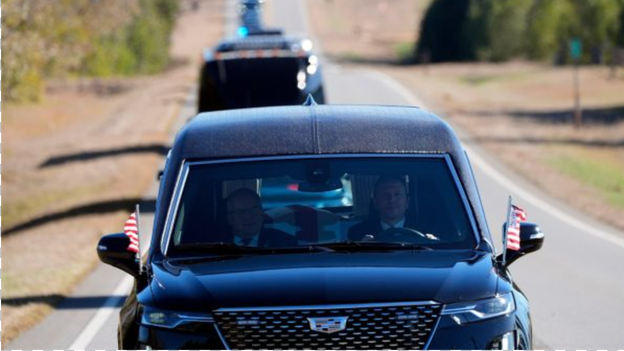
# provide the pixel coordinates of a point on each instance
(506, 230)
(138, 220)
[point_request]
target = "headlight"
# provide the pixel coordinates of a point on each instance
(168, 319)
(467, 312)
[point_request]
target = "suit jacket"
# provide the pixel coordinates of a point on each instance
(268, 238)
(372, 227)
(275, 238)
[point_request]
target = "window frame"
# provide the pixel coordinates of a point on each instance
(174, 205)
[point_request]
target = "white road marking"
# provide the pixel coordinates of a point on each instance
(499, 177)
(101, 316)
(396, 86)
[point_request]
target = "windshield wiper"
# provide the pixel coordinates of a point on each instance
(223, 248)
(370, 246)
(220, 247)
(230, 248)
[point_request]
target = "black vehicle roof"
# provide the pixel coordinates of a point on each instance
(317, 130)
(258, 41)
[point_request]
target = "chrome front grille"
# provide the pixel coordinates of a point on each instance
(397, 326)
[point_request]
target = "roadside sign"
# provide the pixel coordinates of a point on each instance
(576, 48)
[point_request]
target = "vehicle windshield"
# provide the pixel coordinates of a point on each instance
(320, 204)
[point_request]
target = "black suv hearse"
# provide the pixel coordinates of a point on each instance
(404, 261)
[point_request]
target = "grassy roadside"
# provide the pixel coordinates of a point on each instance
(602, 173)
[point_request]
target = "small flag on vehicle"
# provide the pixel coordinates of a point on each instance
(516, 216)
(131, 229)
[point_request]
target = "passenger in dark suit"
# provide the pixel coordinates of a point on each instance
(246, 220)
(391, 201)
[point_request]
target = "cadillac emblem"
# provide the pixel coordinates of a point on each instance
(328, 325)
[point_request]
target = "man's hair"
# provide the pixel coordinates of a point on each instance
(390, 179)
(242, 192)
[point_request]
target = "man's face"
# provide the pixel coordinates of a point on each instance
(245, 215)
(391, 201)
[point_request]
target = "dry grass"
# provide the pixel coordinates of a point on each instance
(70, 159)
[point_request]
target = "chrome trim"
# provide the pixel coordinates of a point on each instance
(324, 321)
(326, 307)
(186, 318)
(223, 341)
(464, 197)
(184, 170)
(538, 235)
(449, 311)
(173, 206)
(305, 156)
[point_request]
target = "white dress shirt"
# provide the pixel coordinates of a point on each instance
(240, 241)
(399, 224)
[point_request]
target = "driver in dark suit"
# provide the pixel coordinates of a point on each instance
(391, 200)
(246, 218)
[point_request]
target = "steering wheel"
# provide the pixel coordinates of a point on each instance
(401, 235)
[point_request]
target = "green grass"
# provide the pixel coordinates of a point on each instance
(405, 51)
(608, 178)
(480, 79)
(477, 79)
(351, 56)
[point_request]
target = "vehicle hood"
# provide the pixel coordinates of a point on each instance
(320, 279)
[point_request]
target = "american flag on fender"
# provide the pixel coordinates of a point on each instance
(131, 229)
(516, 216)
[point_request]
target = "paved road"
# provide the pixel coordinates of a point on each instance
(575, 283)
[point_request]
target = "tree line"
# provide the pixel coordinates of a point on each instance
(500, 30)
(65, 38)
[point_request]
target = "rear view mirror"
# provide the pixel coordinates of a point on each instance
(531, 239)
(113, 250)
(329, 185)
(319, 178)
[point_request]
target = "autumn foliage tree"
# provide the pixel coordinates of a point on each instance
(62, 38)
(499, 30)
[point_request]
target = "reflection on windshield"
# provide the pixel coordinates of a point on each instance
(321, 204)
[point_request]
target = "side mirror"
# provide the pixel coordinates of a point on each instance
(531, 239)
(113, 249)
